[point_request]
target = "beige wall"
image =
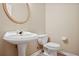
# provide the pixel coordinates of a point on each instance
(63, 20)
(35, 24)
(55, 19)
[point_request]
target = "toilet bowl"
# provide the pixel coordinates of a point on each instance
(50, 48)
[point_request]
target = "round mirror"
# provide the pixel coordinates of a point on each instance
(17, 12)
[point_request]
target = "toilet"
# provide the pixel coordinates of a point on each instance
(50, 48)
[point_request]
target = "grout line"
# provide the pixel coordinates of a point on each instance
(37, 53)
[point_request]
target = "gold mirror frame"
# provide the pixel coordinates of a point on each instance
(13, 19)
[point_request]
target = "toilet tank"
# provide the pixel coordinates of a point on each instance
(43, 39)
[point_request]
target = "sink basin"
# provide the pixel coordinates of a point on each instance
(14, 38)
(21, 40)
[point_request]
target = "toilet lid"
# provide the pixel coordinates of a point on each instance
(52, 45)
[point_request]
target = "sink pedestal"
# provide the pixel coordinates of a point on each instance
(22, 49)
(20, 40)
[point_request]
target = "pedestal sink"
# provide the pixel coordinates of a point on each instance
(21, 40)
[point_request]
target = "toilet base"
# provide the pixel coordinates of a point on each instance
(54, 53)
(50, 52)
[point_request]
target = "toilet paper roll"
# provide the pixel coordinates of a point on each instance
(64, 38)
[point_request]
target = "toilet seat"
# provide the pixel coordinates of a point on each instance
(52, 46)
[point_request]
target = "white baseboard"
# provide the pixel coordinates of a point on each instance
(68, 54)
(37, 53)
(65, 53)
